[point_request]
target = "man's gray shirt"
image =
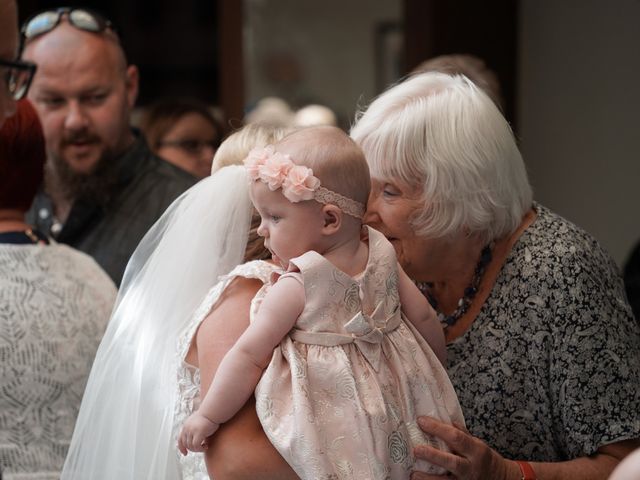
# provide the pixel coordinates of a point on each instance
(146, 187)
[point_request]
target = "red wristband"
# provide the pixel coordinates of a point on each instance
(526, 470)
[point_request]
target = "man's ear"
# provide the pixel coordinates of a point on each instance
(132, 80)
(332, 219)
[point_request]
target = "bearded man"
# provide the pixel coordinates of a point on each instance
(103, 187)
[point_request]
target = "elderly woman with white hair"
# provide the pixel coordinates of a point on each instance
(543, 349)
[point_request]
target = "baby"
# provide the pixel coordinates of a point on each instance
(343, 351)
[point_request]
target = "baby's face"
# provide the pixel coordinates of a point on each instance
(289, 229)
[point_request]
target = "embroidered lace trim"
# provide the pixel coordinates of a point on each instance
(347, 205)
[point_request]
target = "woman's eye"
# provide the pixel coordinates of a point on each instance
(390, 192)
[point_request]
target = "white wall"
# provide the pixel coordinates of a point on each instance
(579, 113)
(330, 42)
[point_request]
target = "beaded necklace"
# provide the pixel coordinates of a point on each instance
(469, 293)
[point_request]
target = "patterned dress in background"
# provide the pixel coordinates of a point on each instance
(342, 392)
(55, 303)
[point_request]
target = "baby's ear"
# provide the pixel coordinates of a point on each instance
(332, 219)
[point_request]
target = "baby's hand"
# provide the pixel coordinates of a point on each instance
(195, 432)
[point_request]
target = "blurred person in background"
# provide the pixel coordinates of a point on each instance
(54, 306)
(103, 187)
(184, 132)
(472, 67)
(313, 114)
(15, 75)
(273, 111)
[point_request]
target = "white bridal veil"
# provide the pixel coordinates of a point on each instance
(124, 428)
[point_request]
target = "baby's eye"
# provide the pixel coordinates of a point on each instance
(274, 218)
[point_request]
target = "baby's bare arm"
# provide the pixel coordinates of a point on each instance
(239, 450)
(241, 368)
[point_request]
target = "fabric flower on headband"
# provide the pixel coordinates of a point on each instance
(300, 184)
(256, 158)
(296, 181)
(278, 171)
(274, 171)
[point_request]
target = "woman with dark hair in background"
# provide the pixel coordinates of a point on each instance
(184, 132)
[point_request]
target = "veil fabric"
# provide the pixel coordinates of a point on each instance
(124, 428)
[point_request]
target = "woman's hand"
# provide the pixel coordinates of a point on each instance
(470, 458)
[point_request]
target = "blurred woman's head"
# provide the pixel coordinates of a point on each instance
(22, 158)
(444, 144)
(472, 67)
(184, 132)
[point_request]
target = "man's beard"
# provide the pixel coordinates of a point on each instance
(96, 186)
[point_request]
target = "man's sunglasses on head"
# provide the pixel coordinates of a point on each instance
(81, 18)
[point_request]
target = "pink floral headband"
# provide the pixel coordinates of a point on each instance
(297, 181)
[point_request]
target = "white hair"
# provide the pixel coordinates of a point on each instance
(445, 137)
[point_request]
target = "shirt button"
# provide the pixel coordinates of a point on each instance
(43, 213)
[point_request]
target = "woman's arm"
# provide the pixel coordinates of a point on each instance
(421, 314)
(473, 459)
(239, 450)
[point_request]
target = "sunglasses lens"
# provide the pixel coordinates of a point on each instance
(40, 24)
(19, 83)
(80, 18)
(86, 20)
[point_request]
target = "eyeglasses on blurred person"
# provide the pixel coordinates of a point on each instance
(16, 77)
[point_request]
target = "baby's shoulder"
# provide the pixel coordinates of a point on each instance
(255, 269)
